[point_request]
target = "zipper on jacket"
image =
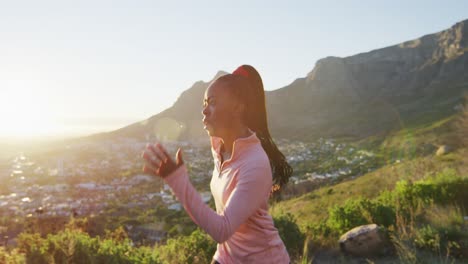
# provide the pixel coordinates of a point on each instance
(220, 167)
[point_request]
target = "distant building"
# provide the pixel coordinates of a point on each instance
(175, 206)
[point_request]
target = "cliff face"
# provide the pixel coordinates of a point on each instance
(413, 68)
(375, 91)
(357, 96)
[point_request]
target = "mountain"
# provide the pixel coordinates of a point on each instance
(356, 96)
(183, 120)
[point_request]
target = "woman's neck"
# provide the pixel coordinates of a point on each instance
(228, 140)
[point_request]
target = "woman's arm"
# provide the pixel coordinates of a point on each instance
(252, 188)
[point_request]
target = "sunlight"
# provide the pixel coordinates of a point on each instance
(24, 112)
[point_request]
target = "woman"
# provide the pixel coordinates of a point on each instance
(234, 115)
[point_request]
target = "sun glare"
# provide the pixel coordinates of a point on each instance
(24, 112)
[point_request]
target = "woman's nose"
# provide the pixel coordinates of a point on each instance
(204, 110)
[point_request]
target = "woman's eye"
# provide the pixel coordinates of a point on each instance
(206, 103)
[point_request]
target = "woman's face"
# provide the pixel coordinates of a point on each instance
(219, 110)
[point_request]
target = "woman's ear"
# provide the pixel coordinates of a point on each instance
(239, 109)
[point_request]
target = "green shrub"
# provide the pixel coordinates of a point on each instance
(196, 248)
(347, 216)
(75, 246)
(361, 211)
(428, 237)
(13, 257)
(290, 233)
(444, 188)
(34, 248)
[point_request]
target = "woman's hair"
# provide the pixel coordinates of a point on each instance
(246, 85)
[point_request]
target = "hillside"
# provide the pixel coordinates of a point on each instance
(413, 175)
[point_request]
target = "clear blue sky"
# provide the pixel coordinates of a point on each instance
(85, 66)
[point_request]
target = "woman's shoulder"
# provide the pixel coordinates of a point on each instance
(255, 152)
(255, 157)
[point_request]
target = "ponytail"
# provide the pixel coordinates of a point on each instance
(256, 119)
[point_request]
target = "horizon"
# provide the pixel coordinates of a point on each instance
(67, 68)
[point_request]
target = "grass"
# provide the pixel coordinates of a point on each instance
(313, 206)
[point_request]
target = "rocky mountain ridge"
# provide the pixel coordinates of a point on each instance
(355, 96)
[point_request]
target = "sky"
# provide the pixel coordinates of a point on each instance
(79, 67)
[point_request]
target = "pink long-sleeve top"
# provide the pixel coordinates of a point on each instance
(241, 225)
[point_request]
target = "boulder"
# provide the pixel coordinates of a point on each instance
(362, 241)
(444, 149)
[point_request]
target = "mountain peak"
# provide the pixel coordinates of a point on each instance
(219, 74)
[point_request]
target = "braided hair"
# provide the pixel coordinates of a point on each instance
(246, 85)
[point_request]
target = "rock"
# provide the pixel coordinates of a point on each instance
(444, 149)
(362, 241)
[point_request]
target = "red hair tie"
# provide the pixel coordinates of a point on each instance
(241, 71)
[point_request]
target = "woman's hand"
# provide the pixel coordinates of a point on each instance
(158, 162)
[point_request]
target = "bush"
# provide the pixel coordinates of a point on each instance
(444, 188)
(196, 248)
(289, 232)
(12, 257)
(358, 212)
(347, 216)
(428, 237)
(75, 246)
